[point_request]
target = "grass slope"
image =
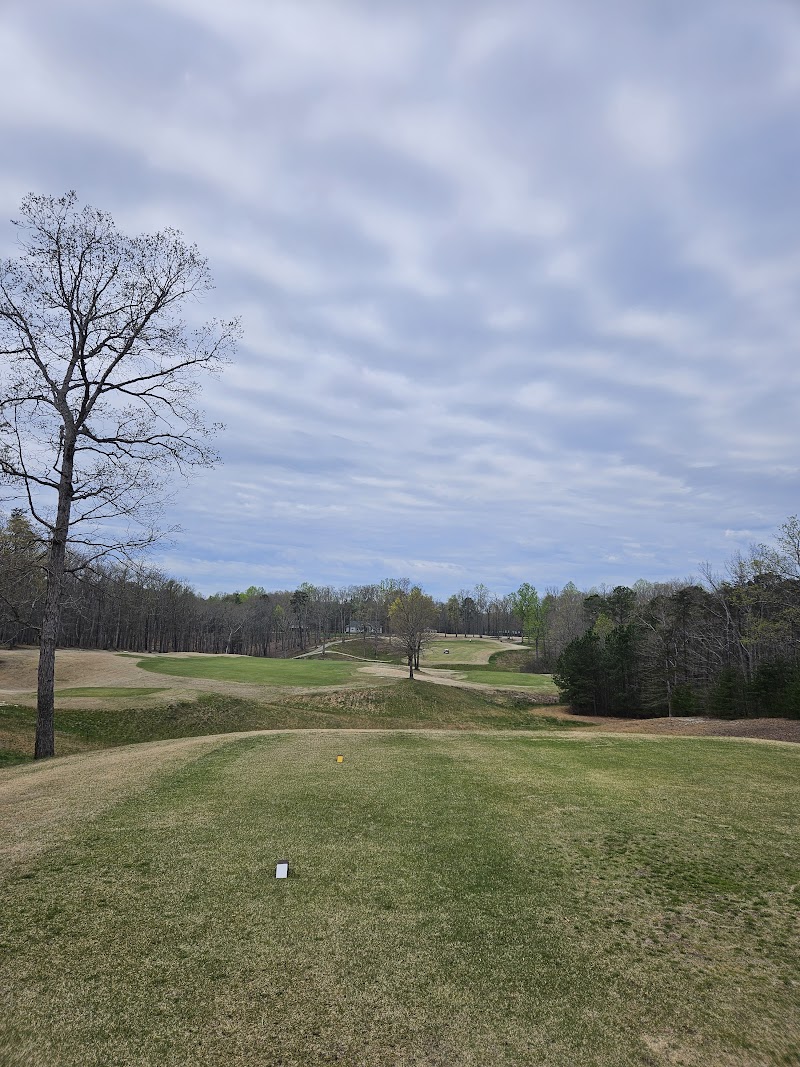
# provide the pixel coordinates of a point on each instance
(454, 899)
(373, 648)
(402, 705)
(487, 674)
(254, 670)
(109, 692)
(534, 681)
(512, 659)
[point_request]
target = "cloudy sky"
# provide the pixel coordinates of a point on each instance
(520, 282)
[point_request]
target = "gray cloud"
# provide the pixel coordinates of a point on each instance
(519, 287)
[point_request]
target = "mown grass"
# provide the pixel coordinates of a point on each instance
(543, 682)
(401, 705)
(462, 649)
(453, 899)
(254, 670)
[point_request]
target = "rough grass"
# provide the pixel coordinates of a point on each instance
(106, 692)
(374, 648)
(512, 659)
(254, 670)
(401, 705)
(453, 899)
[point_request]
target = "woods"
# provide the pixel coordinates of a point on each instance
(726, 645)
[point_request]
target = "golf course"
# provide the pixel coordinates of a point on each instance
(481, 878)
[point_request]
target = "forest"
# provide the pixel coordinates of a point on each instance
(724, 645)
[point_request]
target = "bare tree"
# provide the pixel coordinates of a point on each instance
(99, 381)
(412, 614)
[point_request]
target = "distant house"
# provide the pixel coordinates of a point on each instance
(363, 628)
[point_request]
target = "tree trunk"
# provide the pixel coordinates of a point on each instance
(45, 699)
(411, 667)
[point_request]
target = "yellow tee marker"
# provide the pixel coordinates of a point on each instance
(340, 759)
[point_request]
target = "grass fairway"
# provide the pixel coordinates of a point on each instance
(256, 671)
(454, 899)
(462, 650)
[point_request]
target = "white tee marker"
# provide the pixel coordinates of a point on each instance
(282, 870)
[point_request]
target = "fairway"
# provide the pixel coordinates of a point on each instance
(463, 649)
(253, 670)
(543, 682)
(452, 899)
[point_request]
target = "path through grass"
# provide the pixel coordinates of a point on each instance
(454, 899)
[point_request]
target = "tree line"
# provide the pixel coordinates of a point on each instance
(726, 646)
(140, 609)
(723, 645)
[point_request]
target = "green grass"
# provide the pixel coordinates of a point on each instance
(543, 682)
(462, 650)
(400, 705)
(254, 670)
(453, 899)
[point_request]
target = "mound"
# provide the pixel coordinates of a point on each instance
(74, 667)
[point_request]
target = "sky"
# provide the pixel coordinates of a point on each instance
(519, 282)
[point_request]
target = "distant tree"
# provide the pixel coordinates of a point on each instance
(279, 625)
(467, 614)
(98, 382)
(531, 613)
(579, 674)
(783, 557)
(412, 614)
(599, 672)
(452, 614)
(300, 604)
(21, 576)
(565, 618)
(481, 597)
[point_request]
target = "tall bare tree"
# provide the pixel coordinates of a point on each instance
(98, 380)
(412, 614)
